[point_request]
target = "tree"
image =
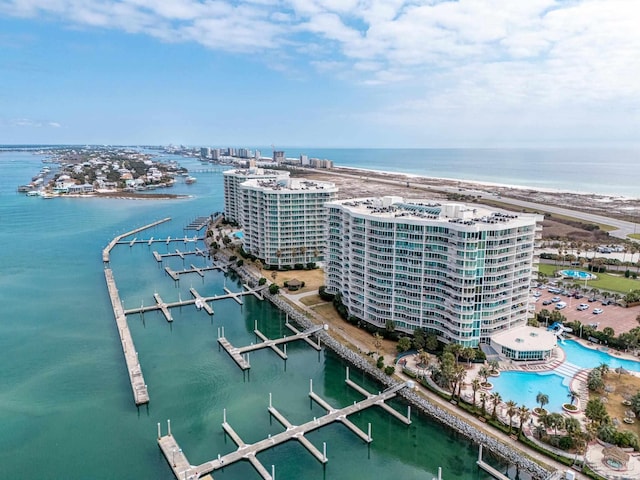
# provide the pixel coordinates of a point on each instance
(468, 353)
(475, 386)
(459, 375)
(431, 342)
(573, 395)
(483, 402)
(594, 380)
(608, 332)
(494, 366)
(418, 339)
(495, 400)
(273, 289)
(604, 368)
(555, 421)
(542, 399)
(377, 342)
(596, 411)
(404, 344)
(484, 372)
(512, 409)
(524, 414)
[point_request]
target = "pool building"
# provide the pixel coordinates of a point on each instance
(460, 271)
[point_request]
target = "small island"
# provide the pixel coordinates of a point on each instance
(103, 171)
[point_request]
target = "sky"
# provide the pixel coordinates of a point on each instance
(321, 73)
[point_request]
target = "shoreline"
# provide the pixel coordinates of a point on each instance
(624, 209)
(522, 460)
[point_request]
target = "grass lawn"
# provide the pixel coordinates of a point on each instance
(635, 236)
(605, 281)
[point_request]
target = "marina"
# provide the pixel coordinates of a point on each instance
(183, 469)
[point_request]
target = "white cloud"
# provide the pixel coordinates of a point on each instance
(471, 55)
(30, 123)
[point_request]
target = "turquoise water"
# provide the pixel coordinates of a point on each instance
(590, 358)
(578, 274)
(66, 406)
(523, 387)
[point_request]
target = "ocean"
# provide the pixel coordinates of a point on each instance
(611, 171)
(66, 406)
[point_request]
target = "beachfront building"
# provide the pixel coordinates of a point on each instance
(461, 272)
(232, 181)
(284, 220)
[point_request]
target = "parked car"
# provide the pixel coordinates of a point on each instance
(597, 311)
(592, 299)
(547, 302)
(577, 295)
(606, 302)
(555, 299)
(560, 305)
(537, 294)
(582, 306)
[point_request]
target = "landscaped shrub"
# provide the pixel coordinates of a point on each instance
(273, 289)
(322, 291)
(262, 281)
(389, 370)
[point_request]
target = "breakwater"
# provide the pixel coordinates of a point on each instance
(504, 451)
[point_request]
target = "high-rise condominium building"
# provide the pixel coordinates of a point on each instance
(462, 272)
(284, 220)
(232, 181)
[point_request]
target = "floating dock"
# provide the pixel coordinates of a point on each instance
(182, 469)
(199, 301)
(198, 224)
(152, 240)
(240, 355)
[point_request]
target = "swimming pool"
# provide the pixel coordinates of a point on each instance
(577, 274)
(523, 387)
(590, 358)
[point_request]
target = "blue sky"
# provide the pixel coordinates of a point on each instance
(323, 73)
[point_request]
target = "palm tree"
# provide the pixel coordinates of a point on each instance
(475, 386)
(484, 372)
(573, 395)
(512, 409)
(524, 414)
(542, 399)
(495, 399)
(483, 401)
(604, 368)
(555, 421)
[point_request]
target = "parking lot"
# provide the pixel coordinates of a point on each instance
(620, 319)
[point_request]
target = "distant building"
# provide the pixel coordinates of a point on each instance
(232, 181)
(461, 272)
(284, 220)
(205, 152)
(278, 156)
(304, 160)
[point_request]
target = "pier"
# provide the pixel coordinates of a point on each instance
(199, 301)
(179, 463)
(198, 224)
(152, 240)
(488, 468)
(116, 240)
(138, 385)
(160, 256)
(175, 274)
(240, 355)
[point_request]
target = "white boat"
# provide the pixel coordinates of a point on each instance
(190, 180)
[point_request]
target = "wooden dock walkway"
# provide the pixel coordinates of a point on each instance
(107, 250)
(240, 354)
(138, 385)
(198, 223)
(200, 302)
(292, 432)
